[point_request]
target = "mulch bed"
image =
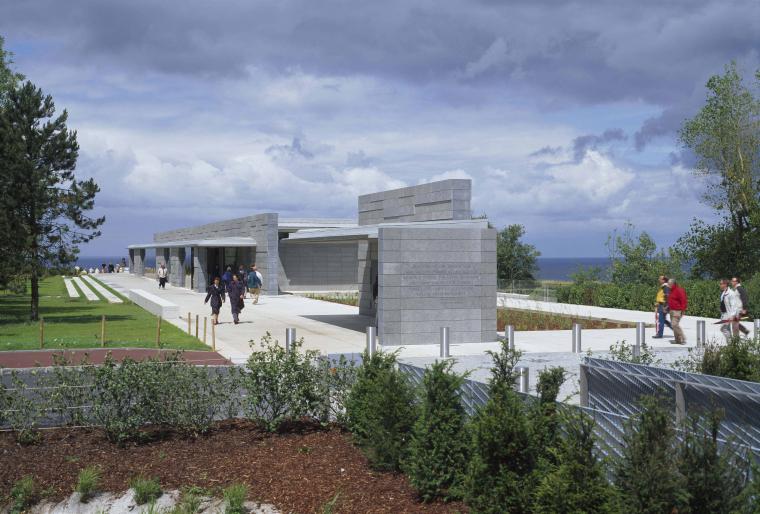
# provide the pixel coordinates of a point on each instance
(298, 471)
(34, 358)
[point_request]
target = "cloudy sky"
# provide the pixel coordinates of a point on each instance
(564, 114)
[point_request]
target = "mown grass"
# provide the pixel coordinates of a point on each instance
(537, 320)
(75, 322)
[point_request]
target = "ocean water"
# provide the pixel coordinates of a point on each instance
(549, 268)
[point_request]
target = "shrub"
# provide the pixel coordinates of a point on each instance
(438, 445)
(714, 478)
(647, 474)
(544, 412)
(25, 407)
(381, 411)
(577, 482)
(234, 499)
(146, 489)
(87, 483)
(280, 385)
(70, 388)
(336, 380)
(504, 362)
(739, 359)
(120, 406)
(23, 494)
(623, 352)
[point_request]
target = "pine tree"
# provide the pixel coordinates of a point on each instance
(438, 448)
(45, 203)
(578, 482)
(647, 475)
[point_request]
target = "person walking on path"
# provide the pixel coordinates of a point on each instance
(241, 274)
(661, 306)
(744, 311)
(162, 272)
(215, 292)
(236, 292)
(227, 278)
(677, 303)
(254, 283)
(730, 310)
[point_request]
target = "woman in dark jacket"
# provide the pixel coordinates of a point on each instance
(215, 292)
(236, 290)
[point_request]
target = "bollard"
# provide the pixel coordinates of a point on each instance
(371, 340)
(103, 330)
(524, 382)
(757, 329)
(42, 332)
(509, 334)
(444, 353)
(189, 329)
(205, 320)
(290, 338)
(196, 325)
(640, 338)
(577, 346)
(158, 332)
(701, 339)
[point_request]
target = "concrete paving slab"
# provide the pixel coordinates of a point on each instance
(70, 289)
(86, 291)
(102, 291)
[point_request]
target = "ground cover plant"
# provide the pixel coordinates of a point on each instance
(75, 322)
(146, 489)
(342, 298)
(87, 482)
(538, 320)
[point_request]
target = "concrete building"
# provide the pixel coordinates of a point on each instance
(415, 255)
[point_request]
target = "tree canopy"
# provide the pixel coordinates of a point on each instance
(515, 260)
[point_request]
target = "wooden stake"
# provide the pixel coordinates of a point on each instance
(213, 337)
(196, 326)
(158, 333)
(205, 319)
(189, 330)
(103, 330)
(42, 332)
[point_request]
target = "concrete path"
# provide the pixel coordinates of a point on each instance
(70, 289)
(86, 291)
(105, 293)
(324, 326)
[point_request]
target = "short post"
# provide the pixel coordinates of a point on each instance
(158, 332)
(371, 341)
(205, 321)
(444, 353)
(103, 330)
(524, 382)
(213, 336)
(577, 346)
(509, 334)
(196, 325)
(757, 329)
(189, 332)
(42, 332)
(701, 339)
(640, 338)
(290, 338)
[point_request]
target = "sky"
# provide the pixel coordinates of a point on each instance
(564, 114)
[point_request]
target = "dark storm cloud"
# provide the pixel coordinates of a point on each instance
(590, 142)
(546, 151)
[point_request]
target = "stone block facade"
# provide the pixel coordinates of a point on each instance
(433, 277)
(443, 200)
(318, 266)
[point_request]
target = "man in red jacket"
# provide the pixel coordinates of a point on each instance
(677, 302)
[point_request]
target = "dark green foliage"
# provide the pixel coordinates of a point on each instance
(281, 386)
(381, 411)
(577, 482)
(515, 260)
(503, 370)
(25, 408)
(647, 475)
(739, 358)
(45, 208)
(23, 495)
(635, 259)
(544, 411)
(500, 476)
(438, 447)
(715, 478)
(146, 489)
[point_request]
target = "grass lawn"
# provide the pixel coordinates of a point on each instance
(75, 322)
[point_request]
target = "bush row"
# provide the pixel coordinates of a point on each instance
(703, 295)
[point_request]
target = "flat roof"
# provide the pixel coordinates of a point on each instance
(370, 231)
(214, 242)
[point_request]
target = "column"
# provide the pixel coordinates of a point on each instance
(131, 262)
(177, 267)
(139, 261)
(200, 268)
(367, 252)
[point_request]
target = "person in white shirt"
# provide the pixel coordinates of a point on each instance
(730, 310)
(162, 272)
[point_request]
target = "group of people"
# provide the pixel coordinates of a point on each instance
(235, 286)
(672, 300)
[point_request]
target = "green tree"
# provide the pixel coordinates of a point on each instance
(48, 207)
(9, 79)
(647, 475)
(515, 260)
(438, 447)
(635, 259)
(725, 137)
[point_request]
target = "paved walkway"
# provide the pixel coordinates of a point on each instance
(324, 326)
(70, 289)
(86, 291)
(102, 291)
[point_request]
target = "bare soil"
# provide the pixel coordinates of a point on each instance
(296, 471)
